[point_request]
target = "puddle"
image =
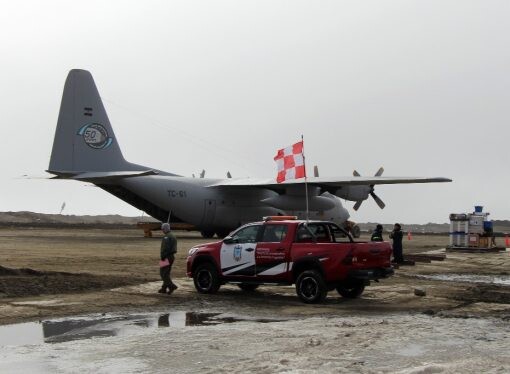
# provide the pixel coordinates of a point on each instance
(65, 330)
(470, 278)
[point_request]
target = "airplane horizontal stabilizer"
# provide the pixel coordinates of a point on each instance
(104, 176)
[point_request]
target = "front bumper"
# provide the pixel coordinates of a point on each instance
(371, 274)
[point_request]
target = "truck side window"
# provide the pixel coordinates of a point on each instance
(314, 232)
(247, 235)
(322, 234)
(303, 235)
(274, 233)
(339, 236)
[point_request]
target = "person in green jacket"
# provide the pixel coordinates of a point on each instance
(168, 250)
(377, 235)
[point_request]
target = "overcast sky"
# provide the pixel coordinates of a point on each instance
(419, 87)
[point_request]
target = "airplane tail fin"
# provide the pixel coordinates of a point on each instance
(84, 139)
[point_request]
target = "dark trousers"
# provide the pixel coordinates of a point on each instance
(164, 272)
(398, 255)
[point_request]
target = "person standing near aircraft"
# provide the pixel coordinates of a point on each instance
(397, 236)
(168, 250)
(377, 234)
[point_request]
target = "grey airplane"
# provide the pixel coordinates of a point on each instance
(85, 149)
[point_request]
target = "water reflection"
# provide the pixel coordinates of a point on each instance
(65, 330)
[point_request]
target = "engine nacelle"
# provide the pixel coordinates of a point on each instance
(286, 202)
(354, 193)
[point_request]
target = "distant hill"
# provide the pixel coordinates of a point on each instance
(49, 220)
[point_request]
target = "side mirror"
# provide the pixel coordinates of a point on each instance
(228, 240)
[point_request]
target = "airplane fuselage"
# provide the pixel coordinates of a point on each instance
(210, 209)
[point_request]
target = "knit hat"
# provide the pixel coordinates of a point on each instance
(165, 227)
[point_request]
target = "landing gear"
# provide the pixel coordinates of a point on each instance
(207, 234)
(248, 287)
(222, 233)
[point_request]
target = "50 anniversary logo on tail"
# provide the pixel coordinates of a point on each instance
(95, 136)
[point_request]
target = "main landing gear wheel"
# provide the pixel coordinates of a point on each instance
(351, 290)
(248, 287)
(207, 234)
(206, 279)
(222, 233)
(355, 231)
(310, 287)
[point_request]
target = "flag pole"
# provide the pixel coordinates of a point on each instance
(306, 180)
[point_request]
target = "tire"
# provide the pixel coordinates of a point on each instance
(206, 234)
(222, 233)
(311, 287)
(352, 289)
(248, 287)
(206, 279)
(355, 231)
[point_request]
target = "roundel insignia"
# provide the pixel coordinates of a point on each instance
(238, 252)
(95, 136)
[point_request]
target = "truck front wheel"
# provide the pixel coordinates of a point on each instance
(206, 278)
(310, 287)
(352, 289)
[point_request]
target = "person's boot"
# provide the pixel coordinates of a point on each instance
(162, 290)
(172, 288)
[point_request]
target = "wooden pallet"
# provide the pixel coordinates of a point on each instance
(149, 227)
(424, 257)
(475, 249)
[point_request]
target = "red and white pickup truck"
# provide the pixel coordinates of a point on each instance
(316, 256)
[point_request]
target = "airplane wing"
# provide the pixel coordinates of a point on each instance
(324, 182)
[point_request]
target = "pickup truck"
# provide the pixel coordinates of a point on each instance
(316, 256)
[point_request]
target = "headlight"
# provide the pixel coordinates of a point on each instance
(192, 251)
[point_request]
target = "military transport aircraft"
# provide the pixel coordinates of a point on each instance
(85, 149)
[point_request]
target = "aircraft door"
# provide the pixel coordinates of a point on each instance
(238, 259)
(209, 212)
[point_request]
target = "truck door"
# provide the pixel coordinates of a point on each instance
(238, 259)
(272, 254)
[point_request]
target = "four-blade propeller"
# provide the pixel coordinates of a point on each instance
(372, 193)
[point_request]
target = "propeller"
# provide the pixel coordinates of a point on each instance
(316, 171)
(377, 199)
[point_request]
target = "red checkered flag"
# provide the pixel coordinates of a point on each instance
(290, 163)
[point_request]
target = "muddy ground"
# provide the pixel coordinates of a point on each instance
(78, 271)
(84, 300)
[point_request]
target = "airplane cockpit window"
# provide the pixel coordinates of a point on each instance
(274, 233)
(247, 235)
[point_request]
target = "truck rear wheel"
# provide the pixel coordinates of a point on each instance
(206, 279)
(311, 287)
(352, 289)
